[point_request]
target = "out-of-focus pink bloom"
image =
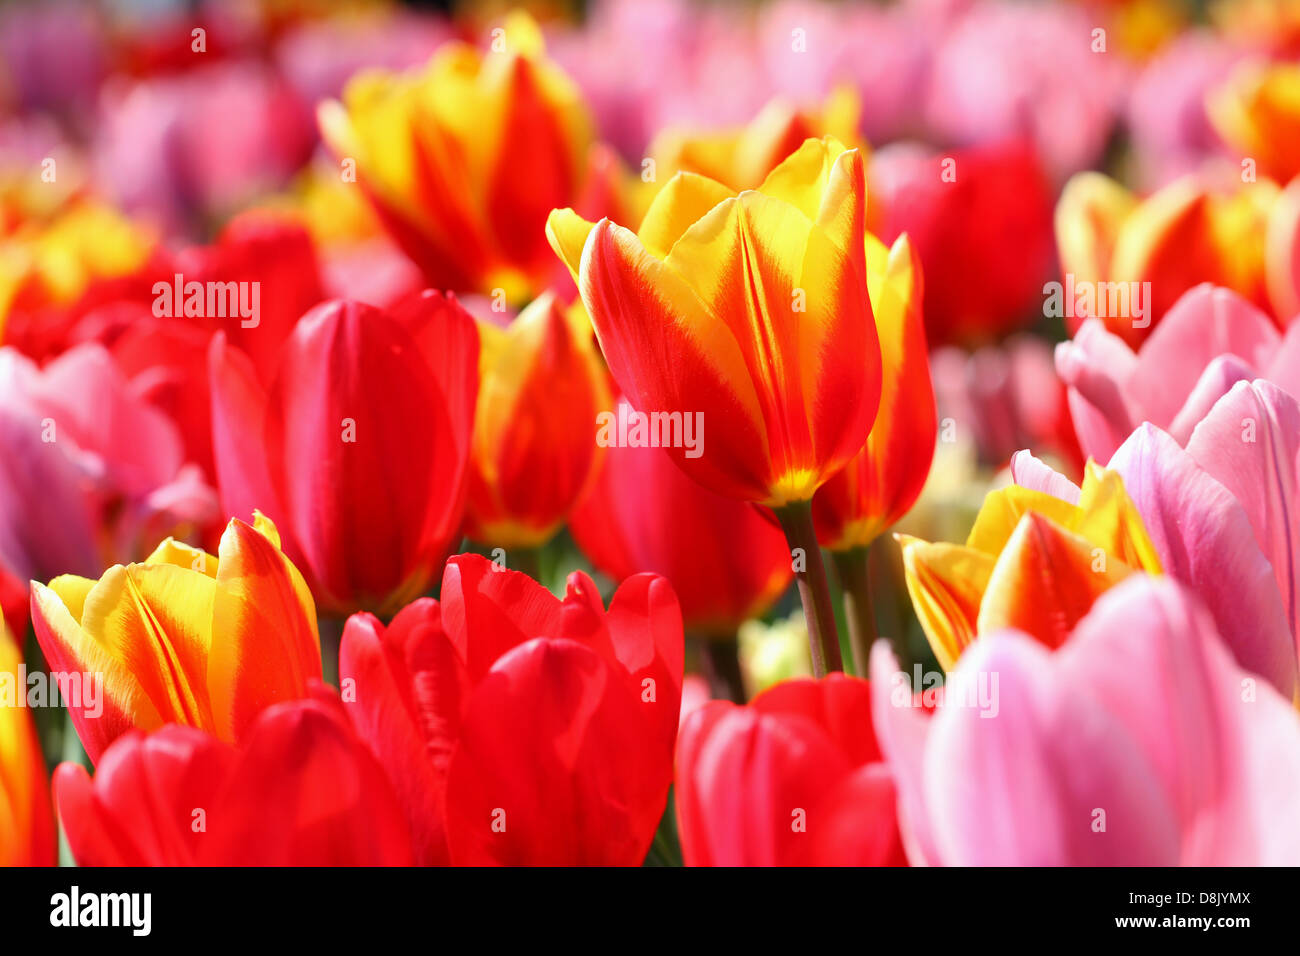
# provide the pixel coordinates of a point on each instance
(642, 63)
(161, 153)
(810, 47)
(1210, 339)
(1005, 398)
(1014, 70)
(52, 54)
(318, 57)
(981, 220)
(1139, 741)
(1171, 130)
(90, 473)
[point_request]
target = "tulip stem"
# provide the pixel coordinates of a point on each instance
(814, 591)
(852, 568)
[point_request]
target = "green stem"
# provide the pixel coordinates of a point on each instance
(855, 581)
(823, 640)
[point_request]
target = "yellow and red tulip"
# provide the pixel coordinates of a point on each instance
(26, 820)
(1257, 112)
(464, 158)
(1032, 561)
(541, 387)
(741, 158)
(1184, 234)
(184, 637)
(750, 310)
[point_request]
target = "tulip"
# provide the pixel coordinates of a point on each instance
(355, 390)
(160, 154)
(183, 637)
(518, 728)
(165, 356)
(26, 823)
(1257, 112)
(1219, 514)
(90, 471)
(980, 221)
(725, 562)
(1139, 742)
(1210, 339)
(464, 159)
(752, 313)
(1184, 234)
(1032, 561)
(300, 790)
(742, 158)
(541, 387)
(794, 779)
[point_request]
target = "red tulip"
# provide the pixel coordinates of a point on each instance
(357, 446)
(725, 561)
(300, 790)
(794, 779)
(981, 221)
(518, 728)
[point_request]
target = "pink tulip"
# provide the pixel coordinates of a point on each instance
(1223, 516)
(90, 473)
(1210, 339)
(1139, 742)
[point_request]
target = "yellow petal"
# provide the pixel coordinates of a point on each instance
(686, 199)
(1107, 517)
(567, 232)
(157, 620)
(183, 555)
(1002, 511)
(946, 583)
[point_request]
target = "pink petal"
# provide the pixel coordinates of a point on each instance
(1205, 540)
(1250, 442)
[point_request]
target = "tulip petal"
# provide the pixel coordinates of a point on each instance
(1204, 539)
(543, 773)
(146, 799)
(749, 786)
(487, 610)
(265, 615)
(1024, 788)
(1250, 442)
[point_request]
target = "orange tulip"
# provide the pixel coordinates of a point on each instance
(464, 159)
(1184, 234)
(1032, 561)
(541, 387)
(750, 310)
(882, 482)
(26, 820)
(184, 637)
